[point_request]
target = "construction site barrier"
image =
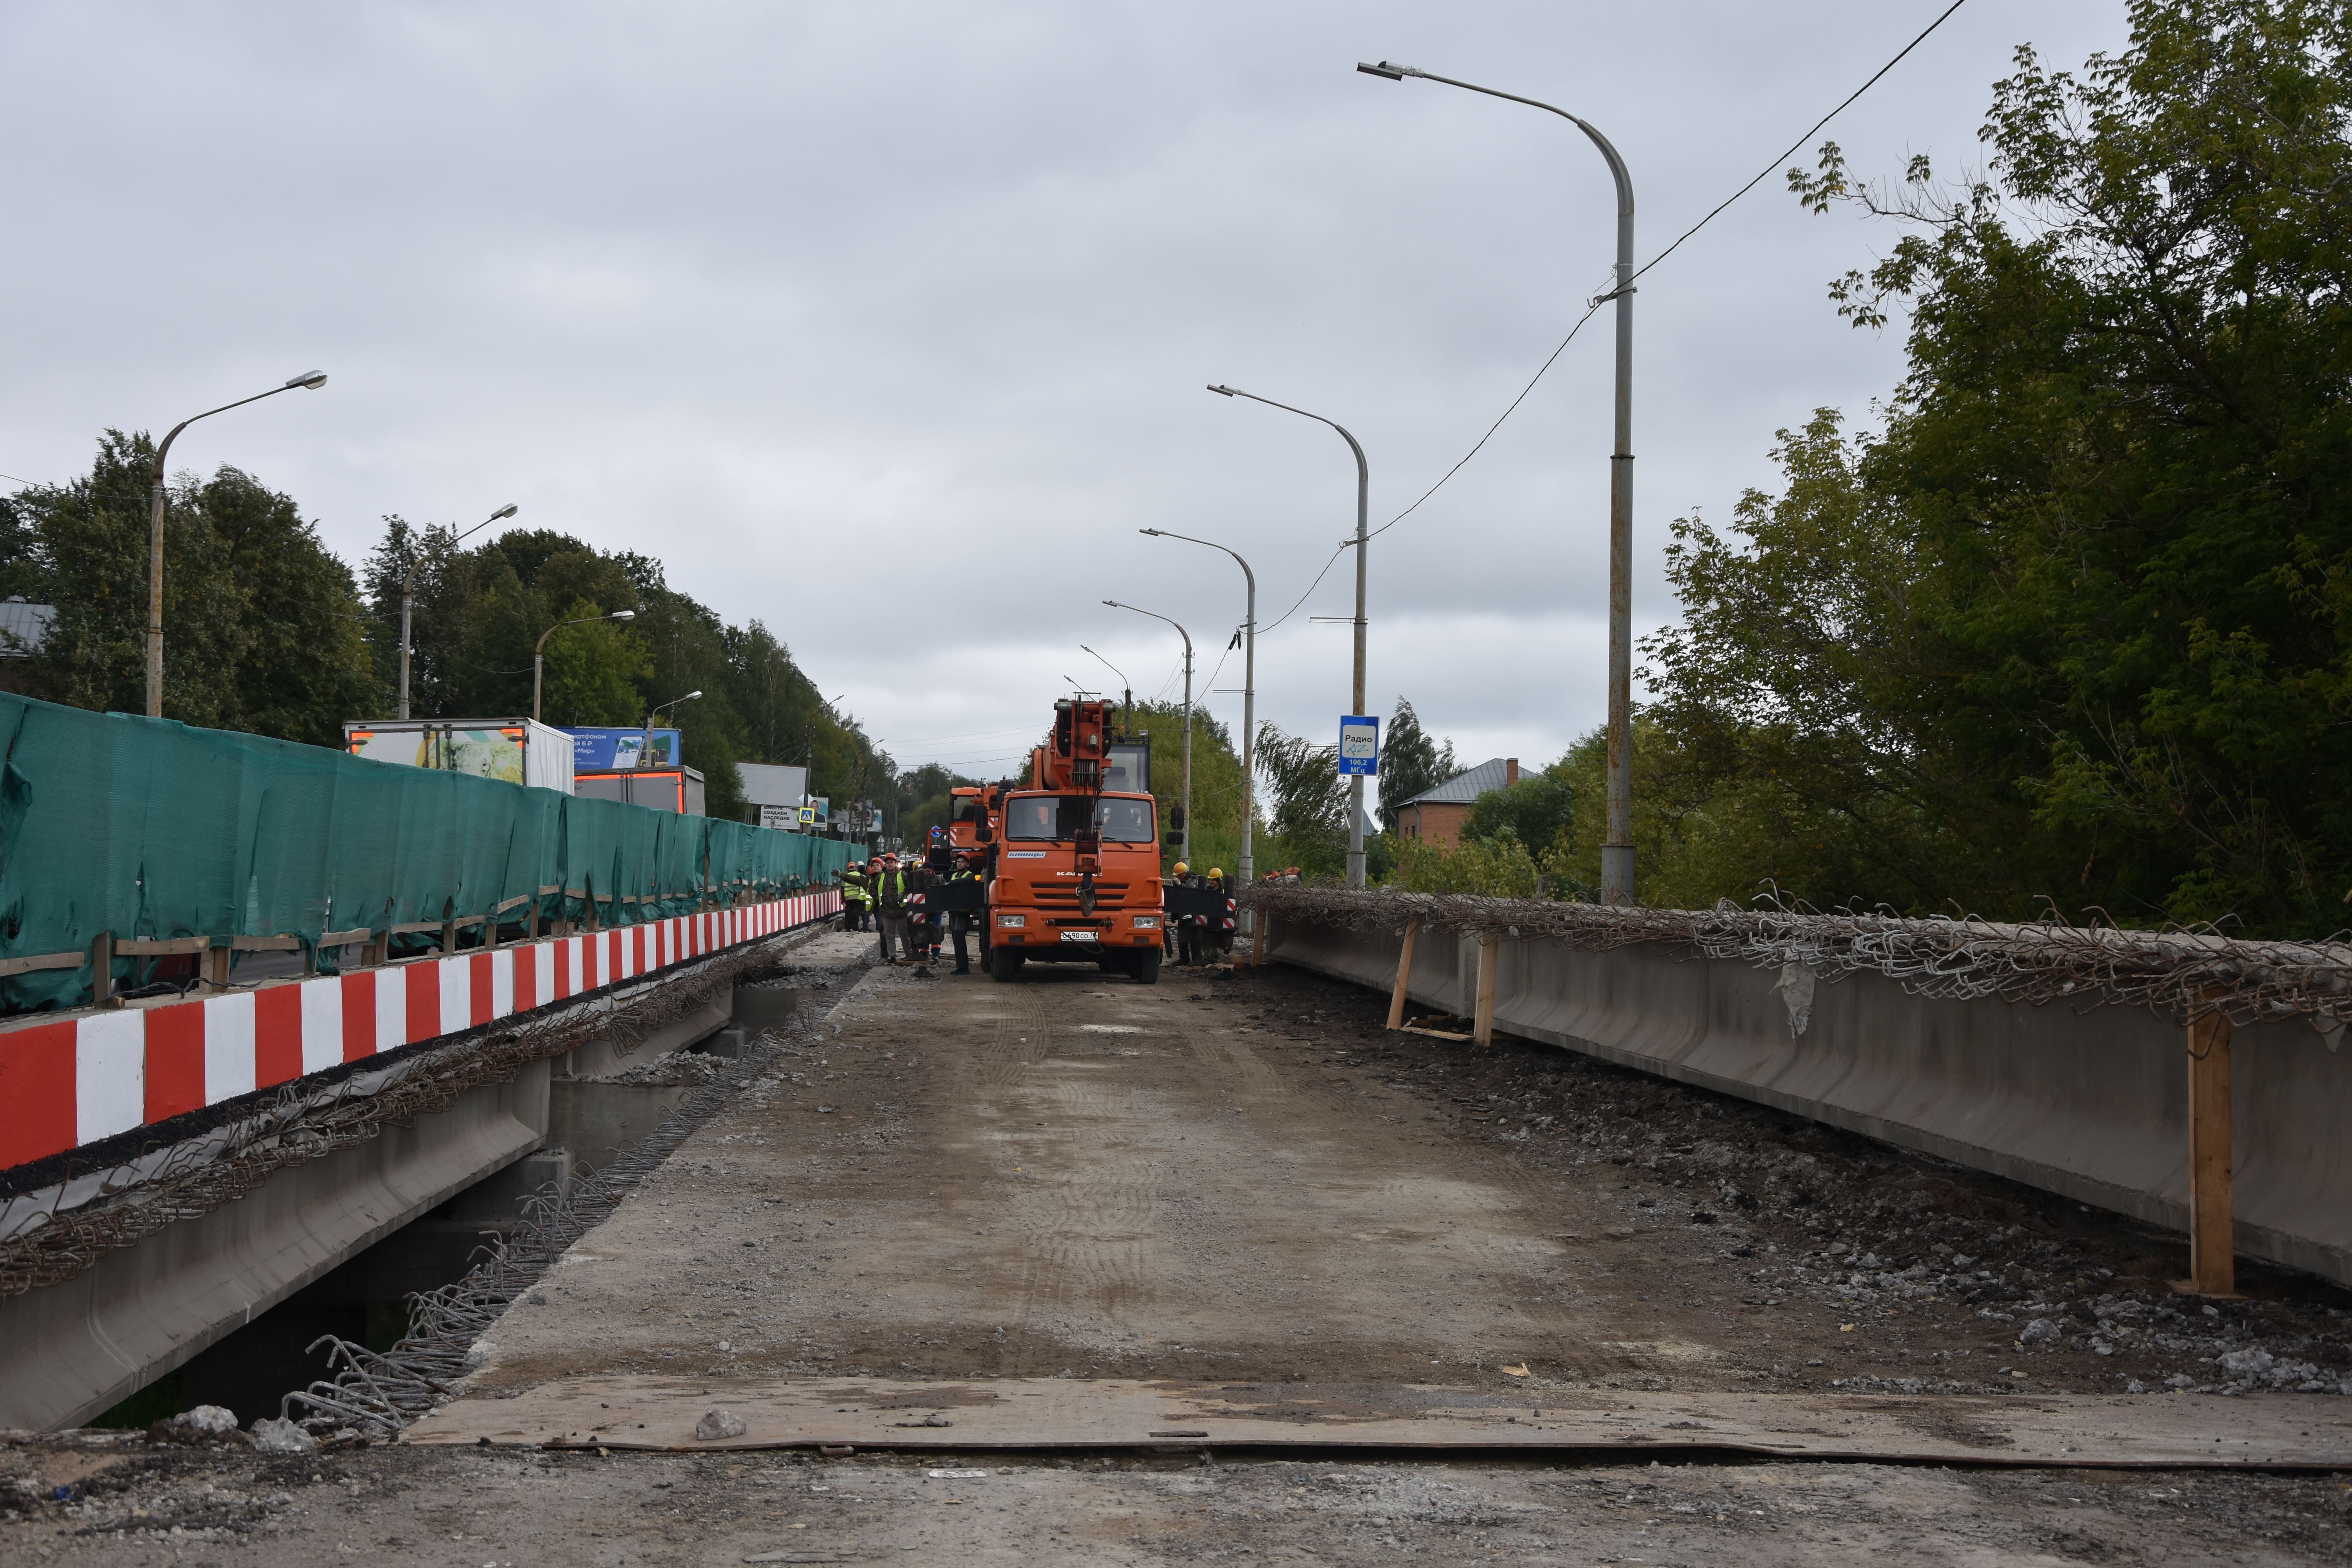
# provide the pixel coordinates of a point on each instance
(127, 840)
(2245, 1143)
(78, 1080)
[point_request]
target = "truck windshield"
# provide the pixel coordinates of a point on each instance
(1052, 818)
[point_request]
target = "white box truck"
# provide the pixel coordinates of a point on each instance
(519, 750)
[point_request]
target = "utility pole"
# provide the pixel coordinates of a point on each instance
(309, 381)
(1248, 635)
(1181, 632)
(537, 656)
(1363, 494)
(408, 598)
(1617, 850)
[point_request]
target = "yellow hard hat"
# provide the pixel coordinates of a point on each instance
(1216, 870)
(1182, 868)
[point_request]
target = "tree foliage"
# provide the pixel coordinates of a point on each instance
(263, 629)
(2076, 624)
(479, 611)
(1306, 802)
(1534, 811)
(1411, 763)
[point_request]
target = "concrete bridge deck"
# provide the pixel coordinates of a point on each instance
(1234, 1213)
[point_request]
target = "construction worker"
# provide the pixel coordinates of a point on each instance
(960, 921)
(890, 892)
(1169, 929)
(1220, 933)
(1189, 935)
(853, 896)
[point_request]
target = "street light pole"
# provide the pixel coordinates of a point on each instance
(1363, 494)
(408, 597)
(1249, 698)
(309, 381)
(1617, 851)
(646, 744)
(1123, 681)
(539, 653)
(1181, 632)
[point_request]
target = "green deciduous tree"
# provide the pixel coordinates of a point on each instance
(2076, 624)
(1411, 763)
(263, 628)
(1306, 802)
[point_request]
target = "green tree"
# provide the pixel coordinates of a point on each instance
(2083, 627)
(1411, 763)
(1534, 811)
(1215, 835)
(594, 671)
(263, 630)
(1306, 802)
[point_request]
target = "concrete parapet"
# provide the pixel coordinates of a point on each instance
(70, 1351)
(2092, 1104)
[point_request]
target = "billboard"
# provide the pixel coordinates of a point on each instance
(605, 749)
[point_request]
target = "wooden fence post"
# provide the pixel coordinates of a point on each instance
(2213, 1248)
(1257, 938)
(101, 968)
(1482, 1028)
(1404, 974)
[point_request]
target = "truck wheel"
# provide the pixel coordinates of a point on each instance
(1004, 962)
(1145, 966)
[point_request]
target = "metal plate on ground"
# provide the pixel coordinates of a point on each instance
(2151, 1431)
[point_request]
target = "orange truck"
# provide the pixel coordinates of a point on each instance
(1077, 852)
(974, 807)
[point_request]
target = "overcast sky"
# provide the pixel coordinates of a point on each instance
(889, 324)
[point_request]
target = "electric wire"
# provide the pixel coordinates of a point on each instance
(1800, 140)
(1715, 212)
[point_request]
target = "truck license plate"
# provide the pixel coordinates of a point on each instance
(1080, 936)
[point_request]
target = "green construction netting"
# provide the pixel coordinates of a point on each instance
(147, 828)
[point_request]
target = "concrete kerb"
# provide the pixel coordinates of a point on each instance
(2090, 1105)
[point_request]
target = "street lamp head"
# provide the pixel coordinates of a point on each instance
(1386, 72)
(690, 697)
(506, 510)
(309, 380)
(1114, 604)
(621, 615)
(1222, 391)
(1152, 531)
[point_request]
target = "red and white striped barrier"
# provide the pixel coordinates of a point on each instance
(79, 1080)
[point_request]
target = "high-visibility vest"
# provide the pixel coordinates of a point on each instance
(888, 887)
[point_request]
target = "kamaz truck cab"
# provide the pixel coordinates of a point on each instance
(1077, 853)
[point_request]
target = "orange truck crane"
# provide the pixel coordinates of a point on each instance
(1077, 852)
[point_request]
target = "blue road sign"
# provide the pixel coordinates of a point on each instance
(1360, 745)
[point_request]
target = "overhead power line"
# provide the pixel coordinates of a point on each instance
(1712, 214)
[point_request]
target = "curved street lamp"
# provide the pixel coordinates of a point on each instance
(1181, 632)
(309, 381)
(1249, 699)
(1115, 669)
(408, 597)
(646, 746)
(1363, 491)
(1617, 850)
(539, 653)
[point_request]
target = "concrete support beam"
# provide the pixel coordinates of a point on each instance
(69, 1352)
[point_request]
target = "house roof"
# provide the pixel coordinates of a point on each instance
(1466, 786)
(24, 627)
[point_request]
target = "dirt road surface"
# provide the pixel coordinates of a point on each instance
(1244, 1180)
